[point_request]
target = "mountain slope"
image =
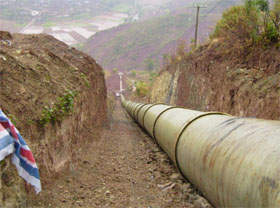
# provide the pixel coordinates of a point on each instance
(128, 46)
(237, 72)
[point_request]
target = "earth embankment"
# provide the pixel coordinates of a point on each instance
(214, 78)
(56, 97)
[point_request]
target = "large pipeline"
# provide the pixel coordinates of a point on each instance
(233, 161)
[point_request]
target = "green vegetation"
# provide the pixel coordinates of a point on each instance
(252, 23)
(153, 75)
(49, 24)
(143, 83)
(142, 88)
(14, 13)
(63, 107)
(81, 16)
(20, 25)
(86, 81)
(133, 73)
(115, 70)
(13, 118)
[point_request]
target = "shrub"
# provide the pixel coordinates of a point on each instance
(251, 23)
(152, 76)
(142, 88)
(234, 22)
(133, 73)
(271, 34)
(63, 107)
(115, 70)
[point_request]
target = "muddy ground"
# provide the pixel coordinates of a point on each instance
(124, 168)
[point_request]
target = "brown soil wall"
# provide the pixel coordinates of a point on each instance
(212, 79)
(35, 72)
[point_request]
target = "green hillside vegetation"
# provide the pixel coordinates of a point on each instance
(255, 23)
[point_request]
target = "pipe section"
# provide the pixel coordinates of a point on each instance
(234, 162)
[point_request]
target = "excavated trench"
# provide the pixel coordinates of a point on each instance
(124, 168)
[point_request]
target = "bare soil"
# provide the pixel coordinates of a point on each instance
(37, 71)
(124, 168)
(223, 76)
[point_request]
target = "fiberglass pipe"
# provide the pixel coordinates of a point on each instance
(234, 162)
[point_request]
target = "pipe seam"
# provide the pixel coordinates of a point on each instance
(182, 131)
(147, 111)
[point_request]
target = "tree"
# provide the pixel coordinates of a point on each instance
(275, 15)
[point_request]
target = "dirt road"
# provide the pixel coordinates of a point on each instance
(124, 168)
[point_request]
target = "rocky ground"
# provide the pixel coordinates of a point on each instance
(124, 168)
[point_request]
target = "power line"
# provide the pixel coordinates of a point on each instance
(212, 9)
(205, 15)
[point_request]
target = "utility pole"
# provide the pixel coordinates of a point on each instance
(121, 88)
(197, 24)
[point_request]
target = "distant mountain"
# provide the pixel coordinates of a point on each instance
(129, 46)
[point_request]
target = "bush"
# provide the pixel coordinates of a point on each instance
(235, 22)
(63, 107)
(142, 88)
(152, 76)
(115, 70)
(133, 73)
(251, 23)
(271, 34)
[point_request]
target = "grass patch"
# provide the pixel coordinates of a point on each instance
(20, 25)
(86, 81)
(49, 24)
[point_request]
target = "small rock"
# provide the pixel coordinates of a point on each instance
(166, 186)
(79, 203)
(175, 176)
(3, 58)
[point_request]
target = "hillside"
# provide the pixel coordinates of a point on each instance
(128, 46)
(237, 72)
(52, 93)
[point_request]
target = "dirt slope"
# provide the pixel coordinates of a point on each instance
(216, 77)
(38, 72)
(124, 168)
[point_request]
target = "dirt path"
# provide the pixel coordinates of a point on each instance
(125, 168)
